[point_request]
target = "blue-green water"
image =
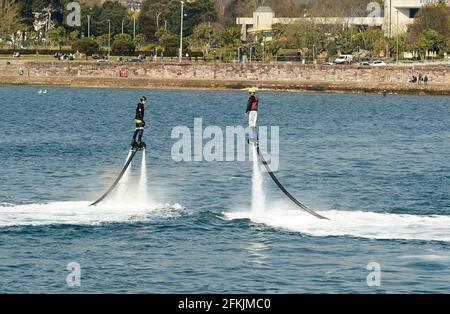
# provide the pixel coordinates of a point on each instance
(378, 167)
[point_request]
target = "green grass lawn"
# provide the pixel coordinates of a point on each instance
(26, 57)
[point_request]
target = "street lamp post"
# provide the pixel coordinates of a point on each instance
(305, 15)
(134, 28)
(314, 53)
(397, 36)
(181, 32)
(89, 26)
(109, 39)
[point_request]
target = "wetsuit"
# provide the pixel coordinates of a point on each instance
(140, 123)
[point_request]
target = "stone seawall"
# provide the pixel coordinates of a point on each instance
(234, 76)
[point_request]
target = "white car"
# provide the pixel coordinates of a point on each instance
(344, 59)
(377, 63)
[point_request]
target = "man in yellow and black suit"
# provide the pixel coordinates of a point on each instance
(140, 123)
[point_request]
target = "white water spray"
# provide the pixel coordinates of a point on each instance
(142, 187)
(258, 197)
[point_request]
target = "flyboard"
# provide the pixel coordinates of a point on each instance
(133, 150)
(280, 186)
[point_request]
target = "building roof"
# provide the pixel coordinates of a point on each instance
(264, 9)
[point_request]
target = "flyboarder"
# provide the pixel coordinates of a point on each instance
(252, 113)
(140, 124)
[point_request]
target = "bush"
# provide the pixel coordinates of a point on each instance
(147, 48)
(87, 46)
(123, 45)
(49, 52)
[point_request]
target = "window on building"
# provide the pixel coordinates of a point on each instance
(412, 13)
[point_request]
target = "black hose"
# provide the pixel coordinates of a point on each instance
(283, 189)
(127, 164)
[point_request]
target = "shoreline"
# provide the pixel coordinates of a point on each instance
(181, 84)
(271, 77)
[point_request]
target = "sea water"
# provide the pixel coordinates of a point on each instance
(378, 167)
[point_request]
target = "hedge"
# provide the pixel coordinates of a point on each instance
(33, 51)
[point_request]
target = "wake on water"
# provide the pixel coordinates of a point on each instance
(80, 213)
(369, 225)
(341, 223)
(130, 203)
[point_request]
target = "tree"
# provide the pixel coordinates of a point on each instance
(231, 37)
(115, 13)
(153, 12)
(346, 41)
(333, 8)
(10, 20)
(123, 44)
(86, 45)
(110, 11)
(202, 37)
(102, 40)
(200, 11)
(167, 40)
(370, 39)
(432, 16)
(74, 35)
(429, 40)
(140, 40)
(57, 36)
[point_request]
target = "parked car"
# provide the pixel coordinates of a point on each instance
(135, 60)
(377, 63)
(102, 61)
(344, 59)
(327, 63)
(364, 61)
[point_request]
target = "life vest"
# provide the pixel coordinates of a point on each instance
(254, 104)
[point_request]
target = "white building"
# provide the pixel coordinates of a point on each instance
(394, 18)
(399, 14)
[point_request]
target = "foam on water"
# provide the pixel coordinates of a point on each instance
(351, 223)
(80, 213)
(428, 257)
